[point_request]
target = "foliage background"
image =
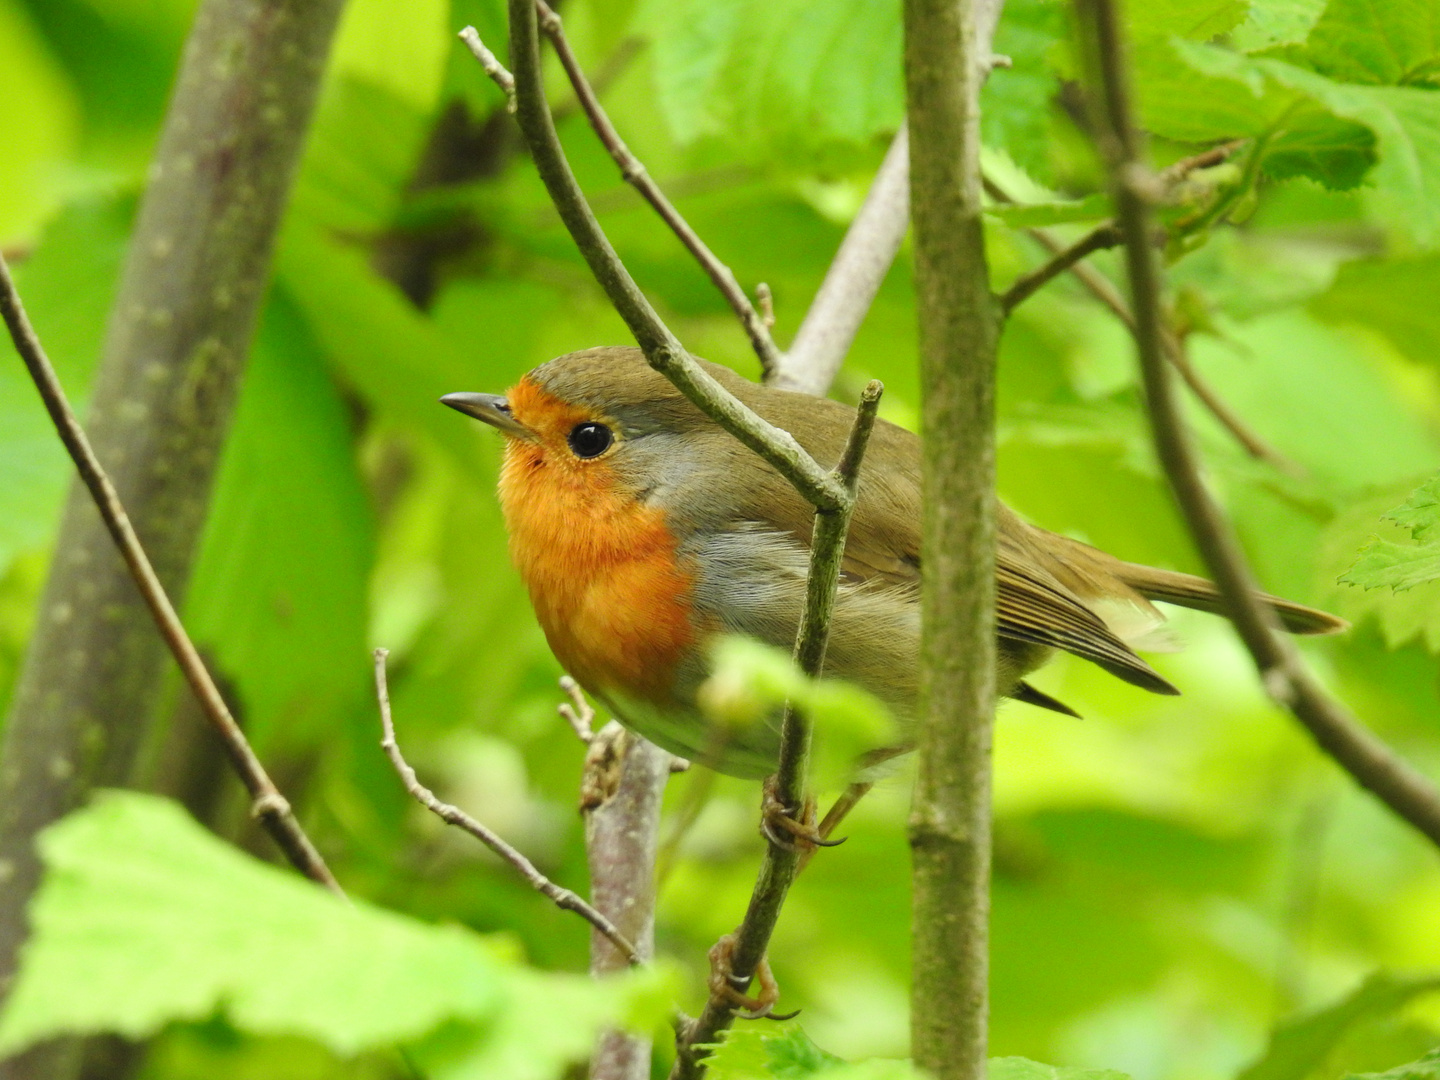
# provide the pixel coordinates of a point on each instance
(1172, 876)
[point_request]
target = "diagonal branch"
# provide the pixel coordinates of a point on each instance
(268, 806)
(635, 174)
(453, 815)
(1408, 793)
(661, 347)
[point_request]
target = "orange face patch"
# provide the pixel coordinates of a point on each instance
(600, 566)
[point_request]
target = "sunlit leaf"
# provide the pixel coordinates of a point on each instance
(1403, 566)
(1427, 1068)
(1300, 1045)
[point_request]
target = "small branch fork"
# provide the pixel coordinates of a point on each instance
(1100, 288)
(268, 805)
(453, 815)
(1408, 793)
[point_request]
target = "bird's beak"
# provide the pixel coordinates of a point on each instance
(491, 408)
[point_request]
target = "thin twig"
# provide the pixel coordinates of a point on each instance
(491, 65)
(452, 815)
(1412, 796)
(1105, 235)
(747, 952)
(268, 806)
(635, 174)
(1100, 288)
(662, 348)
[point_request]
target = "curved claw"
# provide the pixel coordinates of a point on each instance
(728, 987)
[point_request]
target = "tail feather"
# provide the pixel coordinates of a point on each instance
(1190, 591)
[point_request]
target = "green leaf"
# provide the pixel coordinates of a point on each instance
(1018, 1068)
(1277, 22)
(1214, 93)
(1392, 296)
(1427, 1068)
(787, 1053)
(1299, 1046)
(1040, 215)
(773, 74)
(279, 593)
(1393, 43)
(1016, 101)
(1201, 21)
(144, 918)
(1403, 566)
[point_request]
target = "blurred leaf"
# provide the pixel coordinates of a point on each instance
(1427, 1068)
(1185, 18)
(406, 54)
(280, 581)
(144, 917)
(1039, 215)
(1403, 566)
(1017, 1068)
(41, 122)
(1277, 22)
(787, 1053)
(1016, 101)
(1393, 296)
(767, 74)
(1394, 43)
(66, 286)
(1300, 1045)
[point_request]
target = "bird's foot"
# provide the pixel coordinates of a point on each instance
(730, 988)
(780, 825)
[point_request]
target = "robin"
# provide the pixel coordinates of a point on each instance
(643, 531)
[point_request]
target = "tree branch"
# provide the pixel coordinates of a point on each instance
(1104, 235)
(625, 778)
(662, 349)
(268, 806)
(1375, 766)
(452, 815)
(184, 314)
(635, 174)
(781, 862)
(959, 324)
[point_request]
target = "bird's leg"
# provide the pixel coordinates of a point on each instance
(781, 827)
(730, 988)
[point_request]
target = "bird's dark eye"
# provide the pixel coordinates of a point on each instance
(590, 440)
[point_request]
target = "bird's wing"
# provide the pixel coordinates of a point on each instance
(1032, 607)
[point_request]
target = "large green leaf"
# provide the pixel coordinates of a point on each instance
(1393, 43)
(144, 918)
(770, 73)
(1394, 297)
(279, 590)
(1298, 1046)
(40, 122)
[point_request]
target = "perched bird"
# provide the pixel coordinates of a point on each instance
(643, 530)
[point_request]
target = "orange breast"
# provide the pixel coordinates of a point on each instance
(602, 573)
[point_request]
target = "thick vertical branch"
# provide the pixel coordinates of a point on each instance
(1408, 793)
(950, 816)
(186, 308)
(625, 777)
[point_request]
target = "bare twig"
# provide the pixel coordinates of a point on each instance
(662, 349)
(577, 712)
(746, 953)
(766, 301)
(452, 815)
(1412, 796)
(870, 246)
(635, 174)
(1105, 235)
(491, 65)
(268, 806)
